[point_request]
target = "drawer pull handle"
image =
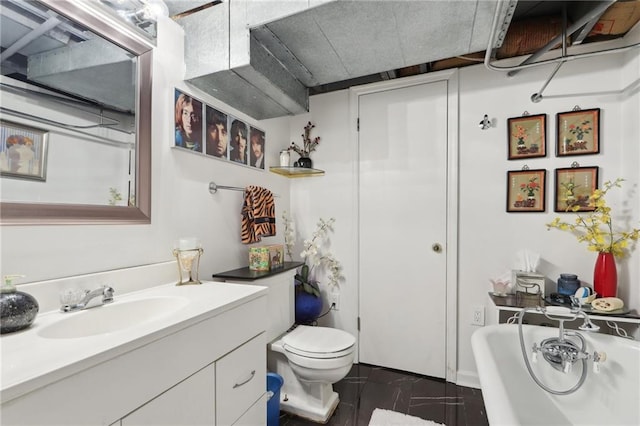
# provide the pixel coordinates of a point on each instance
(237, 385)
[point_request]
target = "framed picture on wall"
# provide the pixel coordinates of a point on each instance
(527, 136)
(526, 191)
(238, 137)
(574, 185)
(578, 132)
(188, 121)
(256, 148)
(216, 134)
(23, 151)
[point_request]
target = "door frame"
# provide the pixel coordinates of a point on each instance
(450, 77)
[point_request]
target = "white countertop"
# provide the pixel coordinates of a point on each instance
(30, 361)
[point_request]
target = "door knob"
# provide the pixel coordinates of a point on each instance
(436, 247)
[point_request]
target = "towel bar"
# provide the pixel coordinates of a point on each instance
(213, 188)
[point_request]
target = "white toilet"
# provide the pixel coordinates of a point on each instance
(309, 359)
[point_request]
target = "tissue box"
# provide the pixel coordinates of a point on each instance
(528, 282)
(259, 258)
(265, 258)
(276, 256)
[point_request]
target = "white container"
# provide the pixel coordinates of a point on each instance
(285, 158)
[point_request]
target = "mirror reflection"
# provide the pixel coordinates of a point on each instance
(68, 113)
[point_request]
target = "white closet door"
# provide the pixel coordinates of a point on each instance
(403, 202)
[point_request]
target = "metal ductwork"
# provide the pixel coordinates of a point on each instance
(262, 61)
(224, 60)
(262, 57)
(77, 67)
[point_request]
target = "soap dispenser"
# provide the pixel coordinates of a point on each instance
(18, 309)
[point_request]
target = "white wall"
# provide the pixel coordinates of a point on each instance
(488, 236)
(181, 203)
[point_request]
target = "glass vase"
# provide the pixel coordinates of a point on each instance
(605, 275)
(305, 162)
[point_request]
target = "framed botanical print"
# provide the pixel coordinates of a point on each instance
(574, 185)
(578, 132)
(526, 190)
(527, 136)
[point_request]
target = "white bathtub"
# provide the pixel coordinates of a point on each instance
(511, 397)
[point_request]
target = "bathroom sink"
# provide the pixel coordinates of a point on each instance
(113, 317)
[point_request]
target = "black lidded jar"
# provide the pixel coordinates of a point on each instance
(18, 309)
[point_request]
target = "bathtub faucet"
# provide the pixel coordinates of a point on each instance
(561, 352)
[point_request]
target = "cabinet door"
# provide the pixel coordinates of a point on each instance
(241, 379)
(190, 402)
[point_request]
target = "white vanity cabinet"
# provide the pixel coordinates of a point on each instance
(207, 370)
(219, 394)
(190, 402)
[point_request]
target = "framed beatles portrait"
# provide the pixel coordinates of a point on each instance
(578, 132)
(256, 147)
(527, 136)
(526, 190)
(574, 185)
(216, 133)
(23, 151)
(187, 121)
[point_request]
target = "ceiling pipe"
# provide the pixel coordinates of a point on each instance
(46, 26)
(537, 97)
(562, 37)
(562, 59)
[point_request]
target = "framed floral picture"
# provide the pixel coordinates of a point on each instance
(23, 151)
(578, 132)
(527, 136)
(574, 185)
(526, 190)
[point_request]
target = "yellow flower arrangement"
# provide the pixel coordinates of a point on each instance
(595, 228)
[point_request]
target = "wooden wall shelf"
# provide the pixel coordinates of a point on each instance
(296, 172)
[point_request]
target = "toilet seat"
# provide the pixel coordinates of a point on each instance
(318, 342)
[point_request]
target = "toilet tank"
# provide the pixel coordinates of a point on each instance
(280, 302)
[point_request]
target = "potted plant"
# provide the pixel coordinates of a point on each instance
(308, 298)
(308, 146)
(597, 231)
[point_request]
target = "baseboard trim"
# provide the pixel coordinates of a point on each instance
(468, 379)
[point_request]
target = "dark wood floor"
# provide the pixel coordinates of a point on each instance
(368, 387)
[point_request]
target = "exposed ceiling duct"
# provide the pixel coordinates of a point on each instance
(264, 60)
(265, 70)
(44, 48)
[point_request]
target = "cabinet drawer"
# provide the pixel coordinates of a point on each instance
(240, 380)
(190, 402)
(256, 415)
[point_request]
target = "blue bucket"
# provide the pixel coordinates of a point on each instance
(274, 383)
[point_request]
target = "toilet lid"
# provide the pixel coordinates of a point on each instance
(318, 342)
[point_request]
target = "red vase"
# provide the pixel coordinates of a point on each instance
(605, 275)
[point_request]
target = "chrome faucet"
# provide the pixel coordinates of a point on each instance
(561, 352)
(105, 291)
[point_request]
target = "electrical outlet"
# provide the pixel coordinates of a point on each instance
(334, 299)
(478, 316)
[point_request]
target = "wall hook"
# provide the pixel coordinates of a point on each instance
(485, 123)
